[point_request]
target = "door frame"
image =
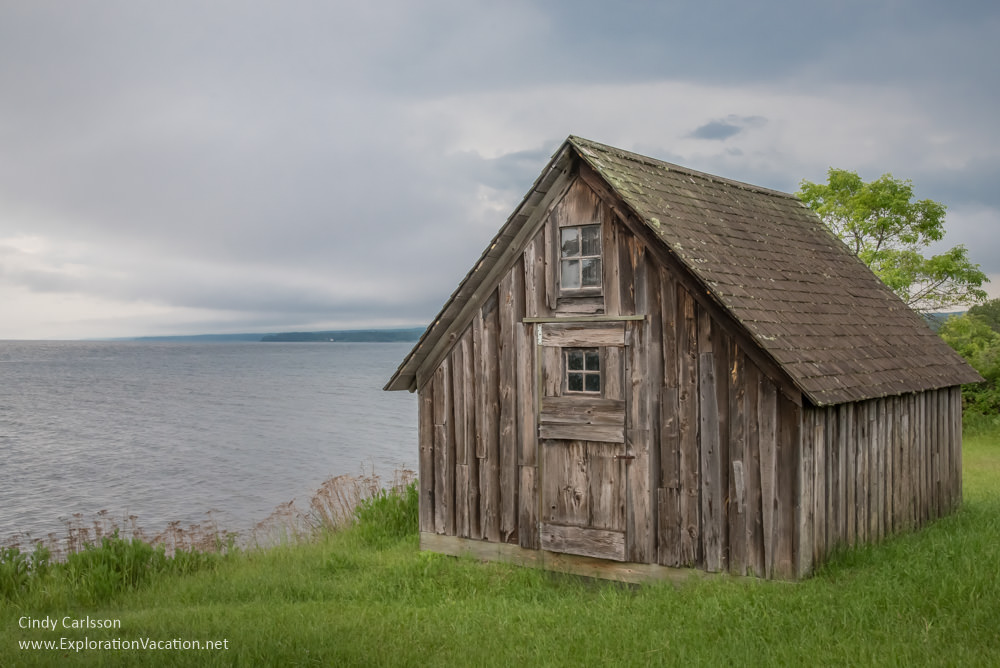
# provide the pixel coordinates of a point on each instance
(602, 332)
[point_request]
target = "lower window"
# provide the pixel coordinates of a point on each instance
(583, 370)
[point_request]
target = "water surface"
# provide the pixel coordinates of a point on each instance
(168, 431)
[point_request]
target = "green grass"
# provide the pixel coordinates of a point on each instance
(365, 596)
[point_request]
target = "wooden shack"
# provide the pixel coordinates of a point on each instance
(652, 368)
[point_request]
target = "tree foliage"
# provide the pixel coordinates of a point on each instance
(988, 312)
(972, 337)
(887, 229)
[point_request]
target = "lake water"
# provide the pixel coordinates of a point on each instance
(169, 431)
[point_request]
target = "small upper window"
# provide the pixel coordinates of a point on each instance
(583, 370)
(580, 256)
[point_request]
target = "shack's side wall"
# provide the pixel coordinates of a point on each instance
(874, 468)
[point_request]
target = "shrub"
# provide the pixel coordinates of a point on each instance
(388, 516)
(18, 571)
(973, 338)
(13, 572)
(116, 565)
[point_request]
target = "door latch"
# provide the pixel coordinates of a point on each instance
(625, 457)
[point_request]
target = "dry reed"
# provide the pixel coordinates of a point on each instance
(331, 507)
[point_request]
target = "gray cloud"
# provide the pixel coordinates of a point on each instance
(254, 164)
(726, 128)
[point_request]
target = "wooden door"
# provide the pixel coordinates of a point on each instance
(581, 426)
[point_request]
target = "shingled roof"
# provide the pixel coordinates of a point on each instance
(838, 332)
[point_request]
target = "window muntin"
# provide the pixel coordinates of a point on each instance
(580, 257)
(583, 370)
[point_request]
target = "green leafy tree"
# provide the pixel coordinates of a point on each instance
(988, 312)
(887, 229)
(974, 339)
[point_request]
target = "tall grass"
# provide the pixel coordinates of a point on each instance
(364, 595)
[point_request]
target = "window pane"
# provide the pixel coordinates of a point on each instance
(570, 241)
(593, 361)
(574, 360)
(591, 273)
(591, 240)
(575, 382)
(570, 273)
(593, 382)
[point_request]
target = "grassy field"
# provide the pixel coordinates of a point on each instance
(366, 596)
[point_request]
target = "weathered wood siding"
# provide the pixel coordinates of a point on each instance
(876, 468)
(730, 471)
(728, 447)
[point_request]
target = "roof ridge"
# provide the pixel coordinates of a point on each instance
(584, 144)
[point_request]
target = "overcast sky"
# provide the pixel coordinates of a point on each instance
(246, 166)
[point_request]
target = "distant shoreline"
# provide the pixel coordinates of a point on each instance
(331, 336)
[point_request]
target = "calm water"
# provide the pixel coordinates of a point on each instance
(168, 431)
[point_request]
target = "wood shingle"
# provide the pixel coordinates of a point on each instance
(832, 325)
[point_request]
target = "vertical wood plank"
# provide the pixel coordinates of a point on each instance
(720, 351)
(640, 532)
(611, 229)
(906, 430)
(819, 435)
(830, 478)
(880, 471)
(528, 517)
(922, 449)
(653, 381)
(456, 365)
(472, 411)
(528, 425)
(891, 465)
(789, 445)
(809, 495)
(551, 359)
(459, 404)
(864, 436)
(860, 472)
(767, 418)
(669, 329)
(511, 306)
(536, 297)
(953, 438)
(626, 270)
(462, 500)
(755, 530)
(551, 250)
(898, 464)
(604, 472)
(669, 520)
(444, 451)
(489, 427)
(526, 374)
(689, 471)
(711, 502)
(843, 482)
(932, 454)
(738, 506)
(850, 473)
(572, 498)
(942, 456)
(425, 437)
(956, 399)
